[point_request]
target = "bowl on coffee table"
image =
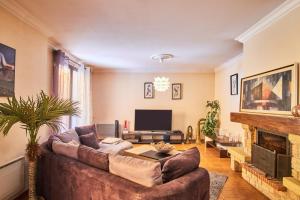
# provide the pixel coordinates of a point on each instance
(162, 147)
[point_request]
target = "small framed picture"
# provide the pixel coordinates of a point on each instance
(176, 91)
(148, 90)
(234, 80)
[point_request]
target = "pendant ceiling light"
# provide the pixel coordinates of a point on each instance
(161, 84)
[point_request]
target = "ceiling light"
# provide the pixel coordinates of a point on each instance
(161, 84)
(162, 57)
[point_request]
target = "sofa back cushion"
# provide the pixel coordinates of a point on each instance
(89, 140)
(140, 171)
(83, 130)
(181, 164)
(93, 157)
(69, 149)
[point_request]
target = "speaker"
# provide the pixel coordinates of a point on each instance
(117, 129)
(283, 165)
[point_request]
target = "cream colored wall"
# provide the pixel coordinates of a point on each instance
(32, 74)
(229, 103)
(277, 46)
(117, 95)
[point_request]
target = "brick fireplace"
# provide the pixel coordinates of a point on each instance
(270, 157)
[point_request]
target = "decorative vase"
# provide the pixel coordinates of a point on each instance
(296, 111)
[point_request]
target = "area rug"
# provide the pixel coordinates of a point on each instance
(217, 182)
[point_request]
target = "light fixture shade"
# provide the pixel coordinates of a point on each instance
(161, 84)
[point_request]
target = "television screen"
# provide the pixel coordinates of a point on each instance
(153, 120)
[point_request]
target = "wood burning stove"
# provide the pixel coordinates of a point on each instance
(271, 154)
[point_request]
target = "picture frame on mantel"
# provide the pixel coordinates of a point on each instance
(234, 84)
(148, 90)
(271, 92)
(176, 91)
(7, 73)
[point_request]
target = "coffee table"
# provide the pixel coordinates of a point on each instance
(137, 151)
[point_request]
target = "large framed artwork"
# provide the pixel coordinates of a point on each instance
(7, 71)
(272, 92)
(148, 90)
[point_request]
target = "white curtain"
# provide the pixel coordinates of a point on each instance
(81, 92)
(64, 87)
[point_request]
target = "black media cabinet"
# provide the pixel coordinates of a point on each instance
(147, 137)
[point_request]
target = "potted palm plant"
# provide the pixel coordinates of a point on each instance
(33, 113)
(211, 122)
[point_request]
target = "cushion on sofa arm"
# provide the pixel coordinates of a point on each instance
(181, 164)
(89, 140)
(69, 149)
(140, 171)
(68, 136)
(83, 130)
(93, 157)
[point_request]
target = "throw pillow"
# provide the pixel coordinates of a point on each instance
(69, 149)
(140, 171)
(83, 130)
(181, 164)
(89, 140)
(68, 136)
(93, 157)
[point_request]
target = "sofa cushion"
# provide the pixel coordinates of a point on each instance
(89, 140)
(69, 149)
(83, 130)
(68, 136)
(93, 157)
(50, 141)
(140, 171)
(181, 164)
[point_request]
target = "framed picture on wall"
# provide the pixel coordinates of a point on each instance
(272, 92)
(234, 81)
(148, 90)
(176, 91)
(7, 71)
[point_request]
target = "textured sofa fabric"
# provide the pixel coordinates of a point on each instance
(181, 164)
(69, 149)
(63, 178)
(93, 157)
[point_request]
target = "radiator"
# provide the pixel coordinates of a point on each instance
(12, 178)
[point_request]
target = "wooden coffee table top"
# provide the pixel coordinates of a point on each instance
(136, 151)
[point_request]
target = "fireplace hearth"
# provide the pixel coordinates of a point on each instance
(276, 138)
(271, 154)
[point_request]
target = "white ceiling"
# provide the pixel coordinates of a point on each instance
(123, 34)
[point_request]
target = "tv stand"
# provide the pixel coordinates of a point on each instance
(147, 137)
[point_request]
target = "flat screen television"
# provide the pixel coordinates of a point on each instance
(153, 120)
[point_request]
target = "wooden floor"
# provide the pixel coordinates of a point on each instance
(236, 188)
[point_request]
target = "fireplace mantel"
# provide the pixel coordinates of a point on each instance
(281, 124)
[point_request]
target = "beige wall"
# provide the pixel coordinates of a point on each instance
(117, 95)
(32, 73)
(277, 46)
(229, 103)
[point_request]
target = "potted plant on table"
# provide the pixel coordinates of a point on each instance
(211, 122)
(33, 113)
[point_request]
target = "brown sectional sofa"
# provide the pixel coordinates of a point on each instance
(63, 178)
